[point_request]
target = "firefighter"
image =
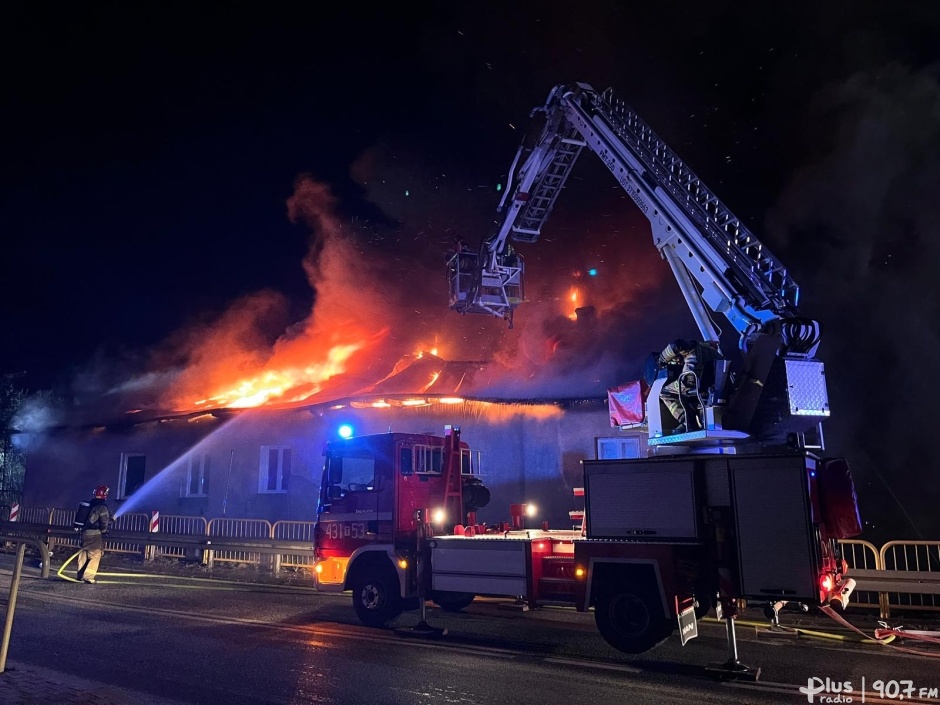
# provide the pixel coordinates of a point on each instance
(93, 531)
(683, 390)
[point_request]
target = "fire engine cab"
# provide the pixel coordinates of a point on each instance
(745, 507)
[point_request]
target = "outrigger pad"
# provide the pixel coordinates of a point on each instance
(733, 670)
(422, 630)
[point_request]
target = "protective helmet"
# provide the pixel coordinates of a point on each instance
(101, 492)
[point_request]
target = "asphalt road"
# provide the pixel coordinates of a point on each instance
(191, 640)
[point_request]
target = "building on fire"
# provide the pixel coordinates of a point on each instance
(266, 462)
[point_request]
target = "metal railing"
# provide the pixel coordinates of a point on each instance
(863, 555)
(917, 562)
(227, 540)
(249, 529)
(901, 575)
(295, 531)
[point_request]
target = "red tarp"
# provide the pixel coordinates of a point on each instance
(838, 498)
(626, 403)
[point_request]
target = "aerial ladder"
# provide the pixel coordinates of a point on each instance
(772, 390)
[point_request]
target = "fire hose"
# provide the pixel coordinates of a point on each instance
(217, 584)
(886, 634)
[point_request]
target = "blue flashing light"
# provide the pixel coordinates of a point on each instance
(812, 473)
(345, 431)
(592, 272)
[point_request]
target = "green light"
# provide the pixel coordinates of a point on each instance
(407, 192)
(499, 187)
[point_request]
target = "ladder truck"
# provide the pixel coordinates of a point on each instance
(664, 539)
(771, 390)
(745, 508)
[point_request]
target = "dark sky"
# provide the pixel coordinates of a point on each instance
(150, 151)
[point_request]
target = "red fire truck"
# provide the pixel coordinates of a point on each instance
(739, 504)
(663, 538)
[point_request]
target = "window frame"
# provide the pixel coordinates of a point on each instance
(122, 492)
(282, 483)
(201, 463)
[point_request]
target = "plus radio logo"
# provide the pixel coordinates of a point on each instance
(828, 691)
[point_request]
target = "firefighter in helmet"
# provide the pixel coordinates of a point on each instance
(93, 530)
(693, 357)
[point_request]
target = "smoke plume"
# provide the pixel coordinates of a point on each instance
(864, 215)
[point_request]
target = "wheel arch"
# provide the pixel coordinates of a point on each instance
(602, 571)
(368, 557)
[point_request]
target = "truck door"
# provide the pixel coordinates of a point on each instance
(421, 482)
(353, 487)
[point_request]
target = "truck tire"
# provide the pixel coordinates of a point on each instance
(376, 596)
(631, 619)
(452, 601)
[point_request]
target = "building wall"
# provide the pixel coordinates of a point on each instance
(529, 454)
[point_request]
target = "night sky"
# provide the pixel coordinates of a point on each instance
(167, 167)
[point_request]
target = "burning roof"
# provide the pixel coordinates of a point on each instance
(378, 331)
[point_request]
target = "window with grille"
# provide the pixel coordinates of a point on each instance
(428, 459)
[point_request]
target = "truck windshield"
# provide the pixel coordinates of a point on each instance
(345, 474)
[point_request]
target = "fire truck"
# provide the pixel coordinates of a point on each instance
(744, 507)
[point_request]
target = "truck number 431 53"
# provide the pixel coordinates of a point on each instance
(345, 530)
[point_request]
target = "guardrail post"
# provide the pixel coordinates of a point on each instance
(14, 590)
(150, 550)
(11, 606)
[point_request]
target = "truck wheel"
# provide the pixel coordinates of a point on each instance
(631, 620)
(376, 597)
(452, 601)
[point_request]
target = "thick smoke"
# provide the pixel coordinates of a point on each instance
(864, 217)
(379, 295)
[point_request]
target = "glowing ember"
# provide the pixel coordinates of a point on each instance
(573, 297)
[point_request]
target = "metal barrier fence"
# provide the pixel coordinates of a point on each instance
(300, 531)
(902, 575)
(128, 522)
(919, 559)
(63, 517)
(183, 526)
(863, 555)
(237, 529)
(35, 515)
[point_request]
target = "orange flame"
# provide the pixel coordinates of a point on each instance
(279, 384)
(573, 297)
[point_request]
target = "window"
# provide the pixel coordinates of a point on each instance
(616, 448)
(428, 459)
(131, 478)
(406, 460)
(358, 474)
(197, 476)
(275, 469)
(467, 464)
